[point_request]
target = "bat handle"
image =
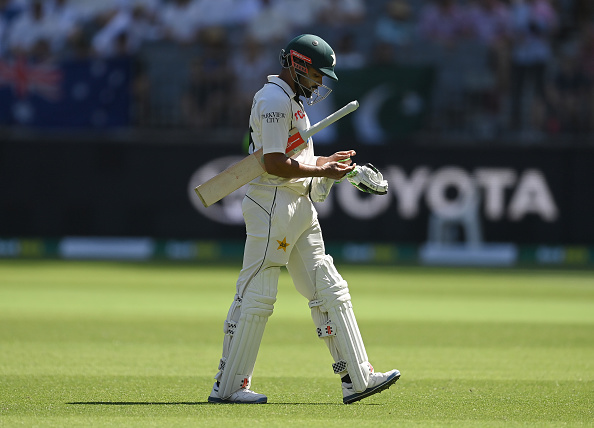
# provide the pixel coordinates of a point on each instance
(349, 108)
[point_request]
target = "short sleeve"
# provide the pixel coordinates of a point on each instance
(275, 120)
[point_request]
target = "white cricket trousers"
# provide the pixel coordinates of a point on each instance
(282, 230)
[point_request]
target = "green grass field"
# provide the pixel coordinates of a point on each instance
(125, 344)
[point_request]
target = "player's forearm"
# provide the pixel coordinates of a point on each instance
(280, 165)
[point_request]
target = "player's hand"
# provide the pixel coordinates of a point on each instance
(337, 170)
(343, 156)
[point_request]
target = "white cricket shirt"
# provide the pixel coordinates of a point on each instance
(274, 112)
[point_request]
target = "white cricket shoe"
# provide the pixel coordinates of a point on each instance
(241, 396)
(377, 383)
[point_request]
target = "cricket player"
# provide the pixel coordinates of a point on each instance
(283, 231)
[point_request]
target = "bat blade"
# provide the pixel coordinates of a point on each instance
(231, 179)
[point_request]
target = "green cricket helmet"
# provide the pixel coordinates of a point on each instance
(308, 49)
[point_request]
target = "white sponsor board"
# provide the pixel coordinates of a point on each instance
(469, 255)
(106, 248)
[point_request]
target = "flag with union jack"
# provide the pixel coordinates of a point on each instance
(71, 94)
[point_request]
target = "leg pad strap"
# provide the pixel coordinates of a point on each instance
(339, 366)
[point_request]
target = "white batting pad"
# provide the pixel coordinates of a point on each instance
(321, 321)
(256, 307)
(229, 327)
(334, 317)
(351, 345)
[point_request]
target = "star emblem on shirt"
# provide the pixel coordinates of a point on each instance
(283, 244)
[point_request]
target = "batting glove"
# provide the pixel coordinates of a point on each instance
(368, 179)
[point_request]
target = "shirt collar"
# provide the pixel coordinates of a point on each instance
(280, 82)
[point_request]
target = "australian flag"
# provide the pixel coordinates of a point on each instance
(94, 93)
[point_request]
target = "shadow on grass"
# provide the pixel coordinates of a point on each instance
(191, 403)
(138, 403)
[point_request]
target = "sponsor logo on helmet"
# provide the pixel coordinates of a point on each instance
(301, 56)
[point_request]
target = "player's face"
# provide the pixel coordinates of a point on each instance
(311, 82)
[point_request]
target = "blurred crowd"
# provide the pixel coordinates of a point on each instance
(42, 28)
(523, 66)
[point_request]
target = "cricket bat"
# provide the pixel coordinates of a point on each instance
(252, 166)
